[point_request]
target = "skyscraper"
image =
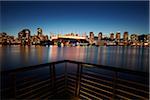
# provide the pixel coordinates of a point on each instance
(39, 31)
(24, 36)
(134, 37)
(111, 36)
(100, 36)
(125, 36)
(91, 39)
(118, 36)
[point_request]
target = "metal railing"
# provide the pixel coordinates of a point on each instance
(72, 79)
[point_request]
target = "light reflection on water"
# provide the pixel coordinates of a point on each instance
(135, 58)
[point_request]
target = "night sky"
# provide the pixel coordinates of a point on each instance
(75, 16)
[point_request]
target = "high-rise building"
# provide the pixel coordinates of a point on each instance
(125, 36)
(46, 37)
(112, 36)
(134, 37)
(143, 38)
(118, 36)
(24, 36)
(39, 31)
(25, 33)
(91, 39)
(100, 36)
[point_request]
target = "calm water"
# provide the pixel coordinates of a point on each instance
(135, 58)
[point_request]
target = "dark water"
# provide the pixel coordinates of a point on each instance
(135, 58)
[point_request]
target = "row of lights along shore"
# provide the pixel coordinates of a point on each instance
(25, 38)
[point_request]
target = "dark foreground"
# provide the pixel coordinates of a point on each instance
(68, 79)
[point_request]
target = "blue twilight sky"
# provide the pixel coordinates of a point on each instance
(75, 16)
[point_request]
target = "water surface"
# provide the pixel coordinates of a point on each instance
(134, 58)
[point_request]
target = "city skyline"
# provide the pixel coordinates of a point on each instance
(76, 16)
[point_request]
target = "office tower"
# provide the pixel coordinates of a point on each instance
(111, 36)
(39, 31)
(118, 36)
(99, 36)
(125, 36)
(24, 36)
(134, 37)
(91, 39)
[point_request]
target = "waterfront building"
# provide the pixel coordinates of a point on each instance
(91, 39)
(39, 31)
(24, 36)
(3, 38)
(118, 36)
(125, 36)
(134, 38)
(99, 38)
(143, 38)
(111, 36)
(68, 39)
(6, 39)
(46, 37)
(148, 38)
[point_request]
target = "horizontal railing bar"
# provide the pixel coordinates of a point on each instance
(46, 94)
(41, 82)
(73, 88)
(22, 69)
(32, 90)
(72, 80)
(132, 94)
(111, 68)
(60, 89)
(72, 75)
(60, 84)
(41, 92)
(86, 80)
(90, 95)
(135, 89)
(85, 97)
(60, 76)
(36, 80)
(132, 82)
(69, 90)
(72, 84)
(95, 92)
(98, 73)
(122, 97)
(96, 88)
(60, 80)
(99, 79)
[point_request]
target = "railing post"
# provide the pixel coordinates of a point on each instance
(114, 84)
(13, 80)
(78, 79)
(53, 77)
(65, 76)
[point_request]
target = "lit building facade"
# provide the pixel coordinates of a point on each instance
(134, 38)
(24, 36)
(111, 36)
(91, 39)
(39, 31)
(118, 36)
(125, 36)
(99, 36)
